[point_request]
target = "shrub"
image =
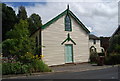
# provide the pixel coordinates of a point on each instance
(114, 45)
(6, 68)
(40, 66)
(11, 68)
(14, 68)
(25, 68)
(27, 58)
(93, 57)
(46, 68)
(28, 64)
(112, 59)
(108, 60)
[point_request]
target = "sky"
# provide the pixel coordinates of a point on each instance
(99, 16)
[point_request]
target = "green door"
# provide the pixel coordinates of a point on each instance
(69, 53)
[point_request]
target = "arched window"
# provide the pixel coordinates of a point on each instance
(93, 49)
(68, 23)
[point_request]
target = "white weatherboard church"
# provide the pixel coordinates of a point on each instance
(66, 40)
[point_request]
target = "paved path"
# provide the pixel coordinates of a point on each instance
(78, 67)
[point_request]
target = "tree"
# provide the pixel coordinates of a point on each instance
(8, 19)
(34, 22)
(19, 42)
(22, 14)
(115, 44)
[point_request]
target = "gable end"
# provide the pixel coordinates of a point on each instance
(59, 16)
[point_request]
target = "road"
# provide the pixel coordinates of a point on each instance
(108, 73)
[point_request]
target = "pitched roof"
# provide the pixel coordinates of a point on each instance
(67, 11)
(91, 36)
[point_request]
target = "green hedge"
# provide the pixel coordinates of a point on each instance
(112, 59)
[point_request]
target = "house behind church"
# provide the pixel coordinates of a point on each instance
(95, 44)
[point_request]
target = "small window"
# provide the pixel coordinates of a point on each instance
(94, 41)
(68, 23)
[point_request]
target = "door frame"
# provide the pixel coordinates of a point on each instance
(65, 53)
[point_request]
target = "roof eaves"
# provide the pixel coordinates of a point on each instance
(50, 22)
(59, 16)
(54, 19)
(82, 25)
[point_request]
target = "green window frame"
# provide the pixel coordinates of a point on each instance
(68, 26)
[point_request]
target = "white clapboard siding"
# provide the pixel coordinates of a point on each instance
(54, 35)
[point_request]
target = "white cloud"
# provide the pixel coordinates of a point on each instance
(101, 18)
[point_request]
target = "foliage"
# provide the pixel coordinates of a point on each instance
(93, 57)
(114, 51)
(9, 19)
(19, 48)
(22, 14)
(11, 68)
(15, 67)
(34, 22)
(20, 30)
(34, 63)
(9, 47)
(112, 59)
(25, 68)
(97, 58)
(19, 42)
(114, 46)
(40, 66)
(27, 58)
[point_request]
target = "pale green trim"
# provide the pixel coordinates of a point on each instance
(68, 39)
